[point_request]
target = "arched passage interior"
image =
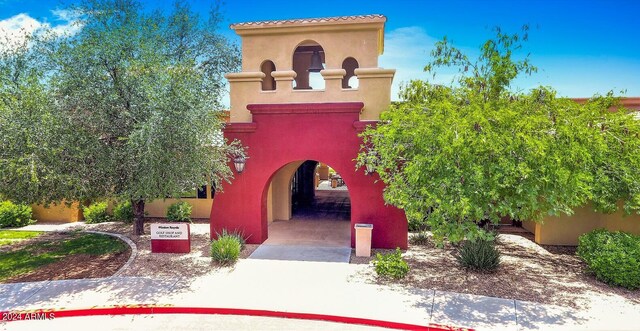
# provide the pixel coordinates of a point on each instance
(308, 203)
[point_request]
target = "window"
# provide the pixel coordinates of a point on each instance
(350, 80)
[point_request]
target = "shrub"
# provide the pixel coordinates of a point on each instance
(236, 234)
(391, 265)
(14, 215)
(420, 238)
(179, 212)
(226, 249)
(479, 255)
(96, 213)
(123, 211)
(416, 225)
(614, 257)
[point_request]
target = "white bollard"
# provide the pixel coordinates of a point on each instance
(363, 239)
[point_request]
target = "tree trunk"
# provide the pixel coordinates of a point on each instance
(138, 214)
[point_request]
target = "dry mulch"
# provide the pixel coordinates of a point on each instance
(528, 272)
(196, 263)
(146, 264)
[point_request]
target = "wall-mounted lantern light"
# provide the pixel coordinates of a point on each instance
(239, 163)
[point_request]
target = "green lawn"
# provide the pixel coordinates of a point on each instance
(39, 254)
(8, 237)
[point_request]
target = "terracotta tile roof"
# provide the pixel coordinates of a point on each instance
(627, 102)
(336, 19)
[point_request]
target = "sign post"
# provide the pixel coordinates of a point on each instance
(170, 238)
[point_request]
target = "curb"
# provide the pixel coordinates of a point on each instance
(134, 250)
(44, 314)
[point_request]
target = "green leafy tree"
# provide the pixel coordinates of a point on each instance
(33, 150)
(475, 150)
(142, 88)
(23, 100)
(134, 95)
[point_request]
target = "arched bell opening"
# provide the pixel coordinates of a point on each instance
(308, 61)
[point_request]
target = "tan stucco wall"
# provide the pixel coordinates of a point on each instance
(374, 90)
(529, 226)
(201, 208)
(57, 213)
(279, 204)
(270, 203)
(278, 46)
(323, 171)
(359, 38)
(565, 230)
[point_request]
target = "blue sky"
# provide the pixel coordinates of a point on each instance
(581, 47)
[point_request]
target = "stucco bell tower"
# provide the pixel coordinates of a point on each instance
(307, 88)
(276, 56)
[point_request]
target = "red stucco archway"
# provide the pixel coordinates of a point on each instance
(284, 133)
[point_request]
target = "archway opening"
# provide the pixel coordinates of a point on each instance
(308, 204)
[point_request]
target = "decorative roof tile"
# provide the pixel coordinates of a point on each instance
(313, 21)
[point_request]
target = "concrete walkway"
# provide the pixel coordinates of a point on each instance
(51, 226)
(306, 287)
(307, 240)
(302, 253)
(324, 233)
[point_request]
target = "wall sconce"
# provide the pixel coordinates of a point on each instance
(239, 163)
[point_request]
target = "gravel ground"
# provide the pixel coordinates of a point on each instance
(146, 264)
(528, 272)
